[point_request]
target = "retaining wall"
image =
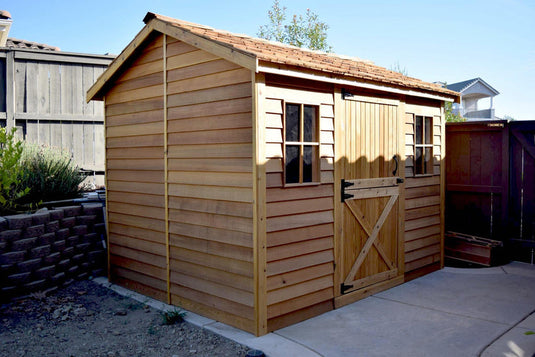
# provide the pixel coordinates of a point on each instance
(50, 248)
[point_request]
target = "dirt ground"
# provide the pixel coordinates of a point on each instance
(85, 319)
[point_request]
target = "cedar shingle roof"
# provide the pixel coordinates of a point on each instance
(279, 53)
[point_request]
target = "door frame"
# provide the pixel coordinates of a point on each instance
(340, 125)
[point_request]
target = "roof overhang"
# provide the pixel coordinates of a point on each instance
(153, 24)
(267, 67)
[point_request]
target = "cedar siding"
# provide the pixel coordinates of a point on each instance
(299, 219)
(135, 175)
(210, 183)
(423, 197)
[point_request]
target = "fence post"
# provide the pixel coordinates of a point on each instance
(10, 90)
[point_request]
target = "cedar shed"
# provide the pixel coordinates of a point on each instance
(261, 184)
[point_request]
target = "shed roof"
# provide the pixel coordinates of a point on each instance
(259, 54)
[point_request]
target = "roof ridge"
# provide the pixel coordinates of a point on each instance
(285, 54)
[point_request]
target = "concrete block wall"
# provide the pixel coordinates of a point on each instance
(50, 248)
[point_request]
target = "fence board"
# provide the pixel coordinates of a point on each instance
(50, 106)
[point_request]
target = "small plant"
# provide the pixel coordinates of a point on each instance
(11, 188)
(50, 175)
(174, 316)
(527, 333)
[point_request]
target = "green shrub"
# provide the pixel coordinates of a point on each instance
(50, 174)
(174, 316)
(11, 187)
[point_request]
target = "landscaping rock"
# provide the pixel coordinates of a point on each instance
(19, 278)
(71, 211)
(10, 235)
(29, 265)
(45, 272)
(56, 214)
(12, 258)
(33, 231)
(39, 218)
(24, 244)
(79, 230)
(52, 258)
(40, 252)
(52, 226)
(59, 246)
(68, 252)
(92, 209)
(82, 248)
(58, 278)
(47, 238)
(90, 238)
(68, 222)
(62, 234)
(35, 285)
(19, 221)
(72, 241)
(86, 220)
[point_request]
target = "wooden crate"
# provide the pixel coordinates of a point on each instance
(473, 249)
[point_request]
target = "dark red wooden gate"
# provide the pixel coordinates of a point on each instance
(490, 181)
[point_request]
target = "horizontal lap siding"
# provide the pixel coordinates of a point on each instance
(135, 175)
(299, 220)
(210, 185)
(423, 234)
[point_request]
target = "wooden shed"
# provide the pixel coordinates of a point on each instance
(261, 184)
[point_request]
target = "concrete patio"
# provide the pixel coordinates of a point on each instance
(452, 312)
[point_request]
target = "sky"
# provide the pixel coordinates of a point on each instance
(433, 40)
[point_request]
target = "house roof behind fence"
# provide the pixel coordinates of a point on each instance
(16, 43)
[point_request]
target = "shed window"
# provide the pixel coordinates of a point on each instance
(423, 145)
(301, 143)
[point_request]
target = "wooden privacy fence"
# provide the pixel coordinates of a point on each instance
(42, 93)
(490, 182)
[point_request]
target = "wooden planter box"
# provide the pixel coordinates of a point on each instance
(472, 249)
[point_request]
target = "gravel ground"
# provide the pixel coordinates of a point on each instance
(85, 319)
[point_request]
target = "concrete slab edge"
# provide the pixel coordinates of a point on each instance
(271, 344)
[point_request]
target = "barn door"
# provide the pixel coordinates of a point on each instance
(370, 252)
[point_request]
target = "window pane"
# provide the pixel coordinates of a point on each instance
(311, 120)
(292, 122)
(309, 163)
(428, 160)
(418, 161)
(419, 129)
(428, 129)
(292, 164)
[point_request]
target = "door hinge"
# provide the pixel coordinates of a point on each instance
(345, 287)
(345, 195)
(400, 180)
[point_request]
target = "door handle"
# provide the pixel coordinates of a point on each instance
(395, 158)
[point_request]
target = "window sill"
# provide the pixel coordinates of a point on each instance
(290, 185)
(424, 175)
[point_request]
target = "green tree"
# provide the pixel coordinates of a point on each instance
(397, 68)
(307, 31)
(450, 116)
